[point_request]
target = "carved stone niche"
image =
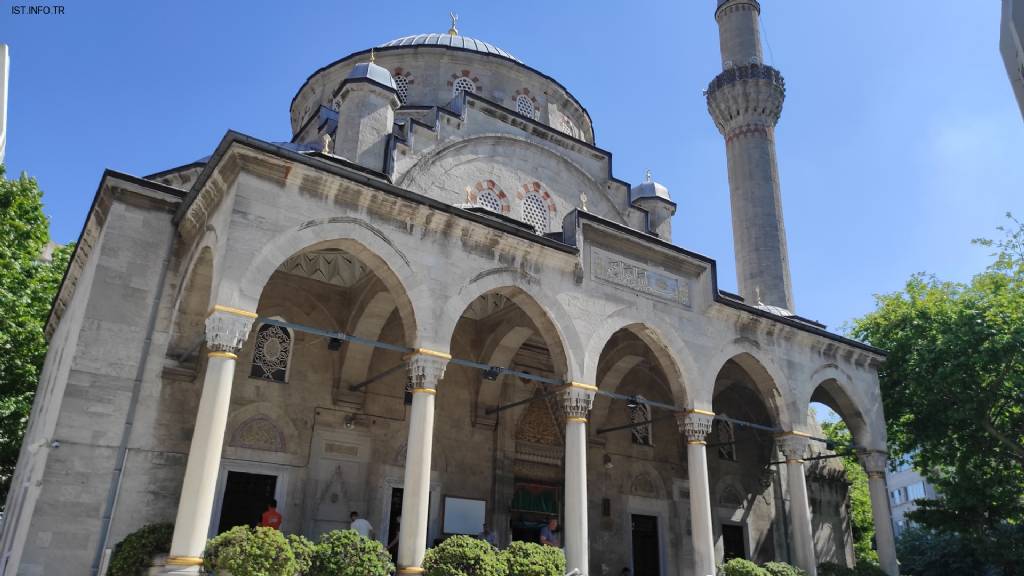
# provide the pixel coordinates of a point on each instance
(259, 433)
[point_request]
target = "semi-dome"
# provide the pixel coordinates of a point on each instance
(648, 189)
(450, 41)
(371, 71)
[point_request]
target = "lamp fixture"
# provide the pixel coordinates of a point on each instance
(334, 344)
(491, 373)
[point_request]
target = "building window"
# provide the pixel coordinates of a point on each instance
(640, 418)
(568, 127)
(402, 87)
(488, 199)
(724, 437)
(463, 85)
(271, 353)
(915, 491)
(535, 212)
(525, 106)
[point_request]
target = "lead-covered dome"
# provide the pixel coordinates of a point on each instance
(449, 41)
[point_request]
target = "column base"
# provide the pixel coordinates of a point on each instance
(179, 566)
(411, 570)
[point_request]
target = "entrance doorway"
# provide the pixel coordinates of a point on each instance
(394, 522)
(246, 496)
(732, 542)
(646, 554)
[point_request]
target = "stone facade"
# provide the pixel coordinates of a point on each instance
(403, 251)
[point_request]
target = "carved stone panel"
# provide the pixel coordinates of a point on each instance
(625, 273)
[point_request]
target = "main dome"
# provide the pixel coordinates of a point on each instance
(450, 41)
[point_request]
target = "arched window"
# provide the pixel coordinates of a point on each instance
(271, 353)
(402, 87)
(524, 106)
(463, 85)
(724, 437)
(568, 127)
(488, 199)
(640, 418)
(535, 212)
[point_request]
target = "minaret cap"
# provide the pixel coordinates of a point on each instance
(648, 189)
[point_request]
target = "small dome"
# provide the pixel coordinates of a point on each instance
(371, 71)
(648, 189)
(449, 41)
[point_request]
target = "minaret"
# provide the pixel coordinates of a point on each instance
(745, 101)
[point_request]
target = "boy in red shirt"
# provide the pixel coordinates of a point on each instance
(271, 517)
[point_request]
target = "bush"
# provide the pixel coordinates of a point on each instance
(133, 555)
(782, 569)
(741, 567)
(833, 569)
(245, 551)
(868, 569)
(347, 553)
(529, 559)
(303, 550)
(463, 556)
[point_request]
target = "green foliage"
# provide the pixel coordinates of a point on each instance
(244, 551)
(529, 559)
(741, 567)
(304, 551)
(833, 569)
(347, 553)
(864, 568)
(861, 522)
(952, 387)
(924, 552)
(133, 555)
(463, 556)
(27, 287)
(782, 569)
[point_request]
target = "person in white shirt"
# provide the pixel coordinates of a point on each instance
(360, 525)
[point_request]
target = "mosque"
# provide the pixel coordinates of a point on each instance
(437, 306)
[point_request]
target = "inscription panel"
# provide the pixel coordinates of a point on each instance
(629, 274)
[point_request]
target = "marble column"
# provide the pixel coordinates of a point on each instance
(874, 462)
(793, 447)
(426, 368)
(226, 331)
(576, 401)
(696, 425)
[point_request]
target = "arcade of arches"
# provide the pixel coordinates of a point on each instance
(329, 426)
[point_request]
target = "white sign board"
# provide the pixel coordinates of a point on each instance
(463, 516)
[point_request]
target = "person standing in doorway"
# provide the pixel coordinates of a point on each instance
(548, 536)
(360, 525)
(271, 517)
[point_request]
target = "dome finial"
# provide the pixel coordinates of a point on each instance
(453, 31)
(647, 175)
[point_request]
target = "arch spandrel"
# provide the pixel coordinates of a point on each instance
(358, 238)
(771, 382)
(839, 390)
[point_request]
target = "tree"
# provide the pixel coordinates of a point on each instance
(28, 283)
(861, 522)
(953, 388)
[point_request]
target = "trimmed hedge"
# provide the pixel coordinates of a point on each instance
(244, 551)
(347, 553)
(463, 556)
(740, 567)
(529, 559)
(134, 555)
(782, 569)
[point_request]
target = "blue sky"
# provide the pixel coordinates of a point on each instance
(899, 141)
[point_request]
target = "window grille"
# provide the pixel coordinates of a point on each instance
(524, 106)
(488, 199)
(271, 353)
(402, 87)
(463, 85)
(535, 213)
(725, 438)
(642, 433)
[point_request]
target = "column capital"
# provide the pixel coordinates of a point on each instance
(227, 328)
(426, 370)
(793, 446)
(577, 399)
(874, 462)
(695, 425)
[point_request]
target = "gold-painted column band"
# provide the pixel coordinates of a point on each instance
(219, 354)
(701, 412)
(432, 353)
(794, 461)
(697, 442)
(424, 391)
(583, 386)
(230, 310)
(411, 570)
(184, 561)
(794, 433)
(576, 419)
